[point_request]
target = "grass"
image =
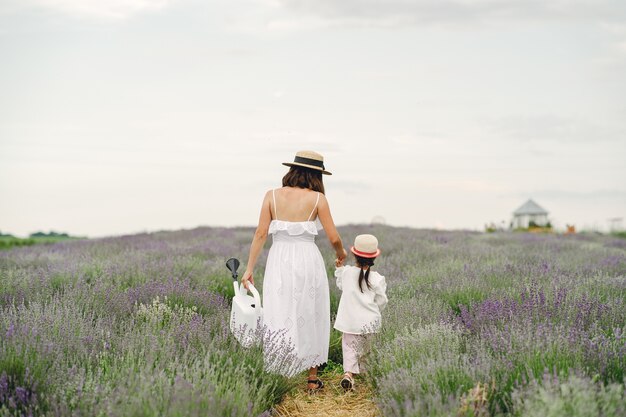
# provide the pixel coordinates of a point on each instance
(332, 400)
(7, 242)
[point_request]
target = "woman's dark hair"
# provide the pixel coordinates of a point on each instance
(361, 262)
(304, 178)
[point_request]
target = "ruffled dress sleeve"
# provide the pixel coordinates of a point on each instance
(339, 275)
(380, 290)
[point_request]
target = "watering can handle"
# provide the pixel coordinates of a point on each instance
(255, 295)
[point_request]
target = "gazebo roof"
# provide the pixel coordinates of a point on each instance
(530, 207)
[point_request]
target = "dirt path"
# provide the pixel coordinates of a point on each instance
(330, 401)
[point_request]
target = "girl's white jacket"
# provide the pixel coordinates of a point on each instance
(359, 312)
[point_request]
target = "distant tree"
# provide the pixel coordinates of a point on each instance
(51, 234)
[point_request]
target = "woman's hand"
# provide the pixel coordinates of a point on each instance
(341, 256)
(338, 263)
(247, 278)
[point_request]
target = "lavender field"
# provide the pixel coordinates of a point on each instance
(477, 325)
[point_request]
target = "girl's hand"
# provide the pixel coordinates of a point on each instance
(247, 278)
(338, 263)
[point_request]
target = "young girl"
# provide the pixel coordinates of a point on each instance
(362, 299)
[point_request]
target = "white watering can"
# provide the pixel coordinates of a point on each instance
(246, 315)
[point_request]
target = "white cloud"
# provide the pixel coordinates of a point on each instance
(560, 129)
(415, 12)
(577, 195)
(98, 9)
(471, 185)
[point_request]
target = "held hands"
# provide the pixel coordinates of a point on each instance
(247, 278)
(340, 258)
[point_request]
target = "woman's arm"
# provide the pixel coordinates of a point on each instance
(323, 212)
(260, 235)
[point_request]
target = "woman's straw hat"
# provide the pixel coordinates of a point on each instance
(308, 159)
(365, 246)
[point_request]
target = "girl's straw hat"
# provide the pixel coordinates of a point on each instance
(365, 246)
(308, 159)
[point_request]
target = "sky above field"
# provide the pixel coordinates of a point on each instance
(122, 116)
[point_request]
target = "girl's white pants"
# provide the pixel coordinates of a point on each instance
(352, 346)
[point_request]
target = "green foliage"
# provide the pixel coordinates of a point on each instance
(334, 351)
(50, 234)
(8, 241)
(59, 281)
(619, 234)
(430, 359)
(571, 396)
(222, 284)
(23, 367)
(332, 367)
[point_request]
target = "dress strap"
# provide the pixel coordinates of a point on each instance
(275, 212)
(314, 207)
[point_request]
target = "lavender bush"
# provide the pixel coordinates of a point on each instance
(572, 395)
(496, 309)
(138, 325)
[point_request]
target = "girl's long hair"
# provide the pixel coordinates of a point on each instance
(364, 276)
(304, 178)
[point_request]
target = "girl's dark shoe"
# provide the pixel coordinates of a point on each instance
(347, 383)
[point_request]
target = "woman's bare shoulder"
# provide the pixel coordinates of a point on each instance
(268, 197)
(323, 199)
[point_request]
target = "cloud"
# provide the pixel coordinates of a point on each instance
(621, 46)
(547, 127)
(592, 195)
(290, 141)
(349, 186)
(96, 9)
(416, 12)
(470, 185)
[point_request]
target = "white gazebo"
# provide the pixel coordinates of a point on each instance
(529, 212)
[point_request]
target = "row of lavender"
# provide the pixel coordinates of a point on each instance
(501, 324)
(137, 325)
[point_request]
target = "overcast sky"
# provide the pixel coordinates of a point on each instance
(120, 116)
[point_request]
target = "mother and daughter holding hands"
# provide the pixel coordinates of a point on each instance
(296, 300)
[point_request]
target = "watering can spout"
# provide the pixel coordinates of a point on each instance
(232, 264)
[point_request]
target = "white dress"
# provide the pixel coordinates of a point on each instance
(359, 311)
(296, 300)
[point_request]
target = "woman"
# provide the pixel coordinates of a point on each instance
(296, 301)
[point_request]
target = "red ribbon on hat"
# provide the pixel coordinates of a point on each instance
(364, 254)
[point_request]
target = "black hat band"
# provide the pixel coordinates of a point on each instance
(309, 161)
